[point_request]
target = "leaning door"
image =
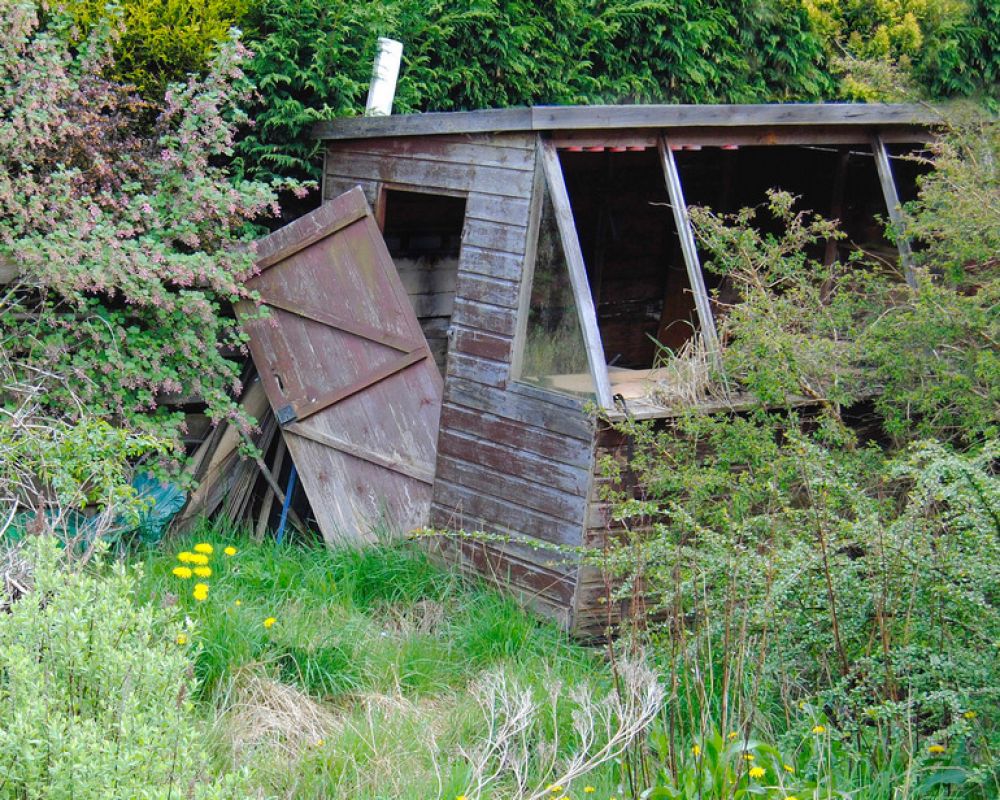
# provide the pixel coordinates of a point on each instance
(347, 370)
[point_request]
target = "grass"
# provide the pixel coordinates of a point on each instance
(365, 684)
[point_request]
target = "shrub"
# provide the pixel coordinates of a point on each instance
(830, 594)
(95, 693)
(160, 42)
(127, 236)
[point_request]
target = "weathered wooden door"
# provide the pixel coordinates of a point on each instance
(347, 370)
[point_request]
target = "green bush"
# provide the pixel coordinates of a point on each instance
(95, 693)
(313, 59)
(160, 41)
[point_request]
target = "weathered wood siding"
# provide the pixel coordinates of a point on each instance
(512, 460)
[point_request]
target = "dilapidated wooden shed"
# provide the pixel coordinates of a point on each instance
(547, 257)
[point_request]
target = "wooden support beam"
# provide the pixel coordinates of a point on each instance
(688, 246)
(895, 208)
(577, 273)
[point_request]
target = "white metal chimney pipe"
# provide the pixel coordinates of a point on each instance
(384, 74)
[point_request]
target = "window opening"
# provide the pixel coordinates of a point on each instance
(423, 233)
(555, 353)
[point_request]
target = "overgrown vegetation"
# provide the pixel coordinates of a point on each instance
(96, 692)
(825, 563)
(373, 673)
(122, 225)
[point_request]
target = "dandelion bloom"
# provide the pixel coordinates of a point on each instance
(203, 572)
(696, 750)
(732, 735)
(204, 547)
(969, 715)
(555, 788)
(757, 772)
(199, 559)
(819, 729)
(230, 551)
(789, 769)
(182, 638)
(791, 797)
(589, 790)
(269, 622)
(200, 591)
(748, 756)
(936, 749)
(182, 572)
(185, 557)
(238, 603)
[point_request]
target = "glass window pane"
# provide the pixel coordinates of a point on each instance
(554, 353)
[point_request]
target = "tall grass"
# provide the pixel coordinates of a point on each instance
(365, 684)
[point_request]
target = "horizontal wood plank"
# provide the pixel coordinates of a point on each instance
(529, 410)
(526, 438)
(480, 343)
(483, 316)
(502, 486)
(498, 236)
(496, 264)
(506, 460)
(431, 174)
(480, 370)
(475, 510)
(450, 150)
(496, 208)
(483, 289)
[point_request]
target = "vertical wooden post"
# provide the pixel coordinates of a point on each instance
(577, 273)
(689, 248)
(895, 208)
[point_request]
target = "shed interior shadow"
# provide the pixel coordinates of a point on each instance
(423, 233)
(636, 271)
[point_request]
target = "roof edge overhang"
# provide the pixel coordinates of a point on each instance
(619, 117)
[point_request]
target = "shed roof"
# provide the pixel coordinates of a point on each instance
(617, 117)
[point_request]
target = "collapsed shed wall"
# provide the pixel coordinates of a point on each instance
(511, 459)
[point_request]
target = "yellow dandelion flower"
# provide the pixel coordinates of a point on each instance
(748, 756)
(460, 797)
(936, 749)
(204, 547)
(269, 622)
(589, 790)
(185, 557)
(733, 735)
(199, 559)
(819, 729)
(555, 788)
(230, 551)
(969, 715)
(791, 797)
(238, 603)
(757, 772)
(182, 638)
(182, 572)
(203, 572)
(696, 750)
(200, 591)
(789, 769)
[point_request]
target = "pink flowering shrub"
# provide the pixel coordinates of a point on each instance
(127, 232)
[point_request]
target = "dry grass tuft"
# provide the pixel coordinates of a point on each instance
(687, 377)
(423, 617)
(260, 711)
(15, 576)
